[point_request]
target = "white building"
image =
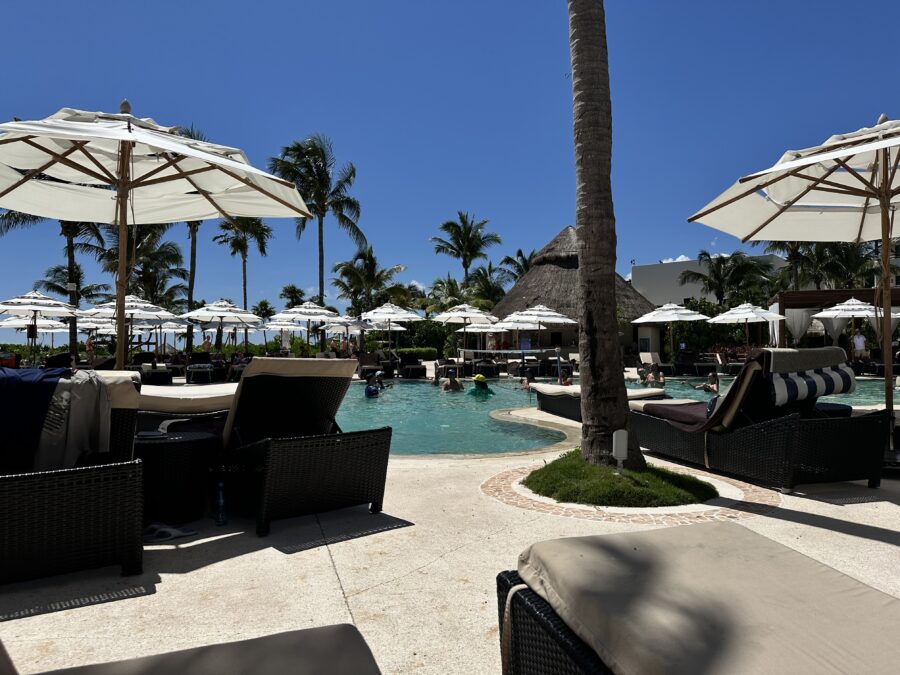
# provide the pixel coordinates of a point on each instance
(659, 282)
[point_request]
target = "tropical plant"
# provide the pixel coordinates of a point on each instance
(466, 241)
(292, 295)
(80, 238)
(817, 265)
(363, 282)
(310, 165)
(486, 286)
(56, 282)
(854, 265)
(515, 267)
(263, 309)
(726, 276)
(604, 406)
(238, 234)
(792, 251)
(444, 293)
(193, 227)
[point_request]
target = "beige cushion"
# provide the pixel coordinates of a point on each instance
(712, 598)
(190, 398)
(124, 387)
(575, 391)
(638, 404)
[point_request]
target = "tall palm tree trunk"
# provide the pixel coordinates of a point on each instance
(73, 294)
(322, 260)
(604, 406)
(244, 276)
(192, 275)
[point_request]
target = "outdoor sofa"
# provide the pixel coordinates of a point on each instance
(712, 598)
(283, 452)
(90, 515)
(336, 650)
(768, 428)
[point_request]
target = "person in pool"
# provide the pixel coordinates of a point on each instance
(481, 388)
(452, 384)
(379, 381)
(711, 385)
(374, 385)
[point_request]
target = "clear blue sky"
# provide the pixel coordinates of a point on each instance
(456, 106)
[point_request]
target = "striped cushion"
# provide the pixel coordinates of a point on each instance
(804, 384)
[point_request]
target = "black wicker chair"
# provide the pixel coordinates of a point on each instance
(781, 446)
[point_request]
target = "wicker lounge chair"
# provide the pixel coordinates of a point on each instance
(336, 650)
(54, 522)
(411, 367)
(767, 429)
(283, 451)
(712, 598)
(565, 400)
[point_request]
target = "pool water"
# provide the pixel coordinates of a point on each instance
(868, 392)
(427, 420)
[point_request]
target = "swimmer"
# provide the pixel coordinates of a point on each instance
(379, 381)
(481, 388)
(452, 384)
(526, 385)
(655, 377)
(711, 385)
(372, 389)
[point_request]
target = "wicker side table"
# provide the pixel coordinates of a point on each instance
(176, 474)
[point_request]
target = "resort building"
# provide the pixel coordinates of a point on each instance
(659, 283)
(553, 281)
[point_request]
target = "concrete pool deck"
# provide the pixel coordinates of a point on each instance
(417, 580)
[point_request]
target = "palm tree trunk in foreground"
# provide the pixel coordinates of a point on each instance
(604, 405)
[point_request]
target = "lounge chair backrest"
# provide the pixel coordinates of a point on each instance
(196, 358)
(282, 398)
(646, 357)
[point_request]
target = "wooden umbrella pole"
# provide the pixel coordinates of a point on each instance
(122, 221)
(887, 355)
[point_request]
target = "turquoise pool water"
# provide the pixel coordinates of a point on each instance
(868, 392)
(428, 421)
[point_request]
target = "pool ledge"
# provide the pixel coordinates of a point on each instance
(539, 418)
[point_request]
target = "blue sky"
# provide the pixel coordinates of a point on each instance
(456, 106)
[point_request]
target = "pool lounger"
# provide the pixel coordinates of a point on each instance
(565, 401)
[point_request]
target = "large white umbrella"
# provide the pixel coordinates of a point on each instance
(223, 312)
(835, 318)
(466, 315)
(391, 313)
(309, 312)
(746, 314)
(670, 313)
(40, 324)
(132, 307)
(540, 315)
(119, 169)
(846, 189)
(36, 305)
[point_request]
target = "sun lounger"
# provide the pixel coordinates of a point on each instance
(767, 428)
(652, 358)
(336, 650)
(711, 598)
(283, 454)
(411, 367)
(565, 400)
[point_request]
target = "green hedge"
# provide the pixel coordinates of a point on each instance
(423, 353)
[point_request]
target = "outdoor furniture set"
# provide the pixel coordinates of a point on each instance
(768, 428)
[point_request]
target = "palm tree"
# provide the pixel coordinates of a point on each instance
(486, 286)
(263, 309)
(792, 251)
(726, 276)
(56, 281)
(854, 265)
(466, 240)
(362, 280)
(293, 295)
(193, 228)
(310, 165)
(445, 292)
(80, 237)
(604, 407)
(817, 264)
(238, 234)
(515, 267)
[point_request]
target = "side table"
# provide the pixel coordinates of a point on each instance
(176, 474)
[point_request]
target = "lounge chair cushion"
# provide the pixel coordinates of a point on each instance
(712, 598)
(337, 650)
(575, 391)
(805, 384)
(192, 399)
(124, 387)
(641, 404)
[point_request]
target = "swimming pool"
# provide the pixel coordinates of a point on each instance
(868, 392)
(428, 421)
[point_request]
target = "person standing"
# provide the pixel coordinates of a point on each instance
(859, 345)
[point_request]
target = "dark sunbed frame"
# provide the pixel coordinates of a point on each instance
(540, 642)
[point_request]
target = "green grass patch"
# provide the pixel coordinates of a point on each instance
(571, 479)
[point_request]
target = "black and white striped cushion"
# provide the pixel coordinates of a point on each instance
(804, 384)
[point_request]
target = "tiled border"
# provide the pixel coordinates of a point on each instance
(755, 501)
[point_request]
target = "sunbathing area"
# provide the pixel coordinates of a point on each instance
(266, 410)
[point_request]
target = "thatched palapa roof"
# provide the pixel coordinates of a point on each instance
(553, 281)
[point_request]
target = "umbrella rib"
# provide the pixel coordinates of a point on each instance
(69, 163)
(855, 174)
(765, 184)
(166, 179)
(96, 162)
(162, 167)
(788, 205)
(865, 209)
(35, 172)
(249, 183)
(894, 168)
(840, 189)
(201, 191)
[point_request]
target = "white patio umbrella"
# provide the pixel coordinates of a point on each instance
(36, 305)
(133, 307)
(309, 312)
(479, 329)
(123, 170)
(466, 315)
(539, 314)
(222, 312)
(835, 318)
(391, 314)
(670, 313)
(846, 189)
(746, 314)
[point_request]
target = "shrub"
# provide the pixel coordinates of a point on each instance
(422, 353)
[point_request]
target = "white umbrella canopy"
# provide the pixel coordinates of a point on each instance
(851, 309)
(222, 311)
(391, 312)
(846, 189)
(42, 325)
(133, 307)
(517, 324)
(465, 314)
(669, 313)
(745, 313)
(36, 304)
(307, 311)
(155, 174)
(541, 314)
(273, 324)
